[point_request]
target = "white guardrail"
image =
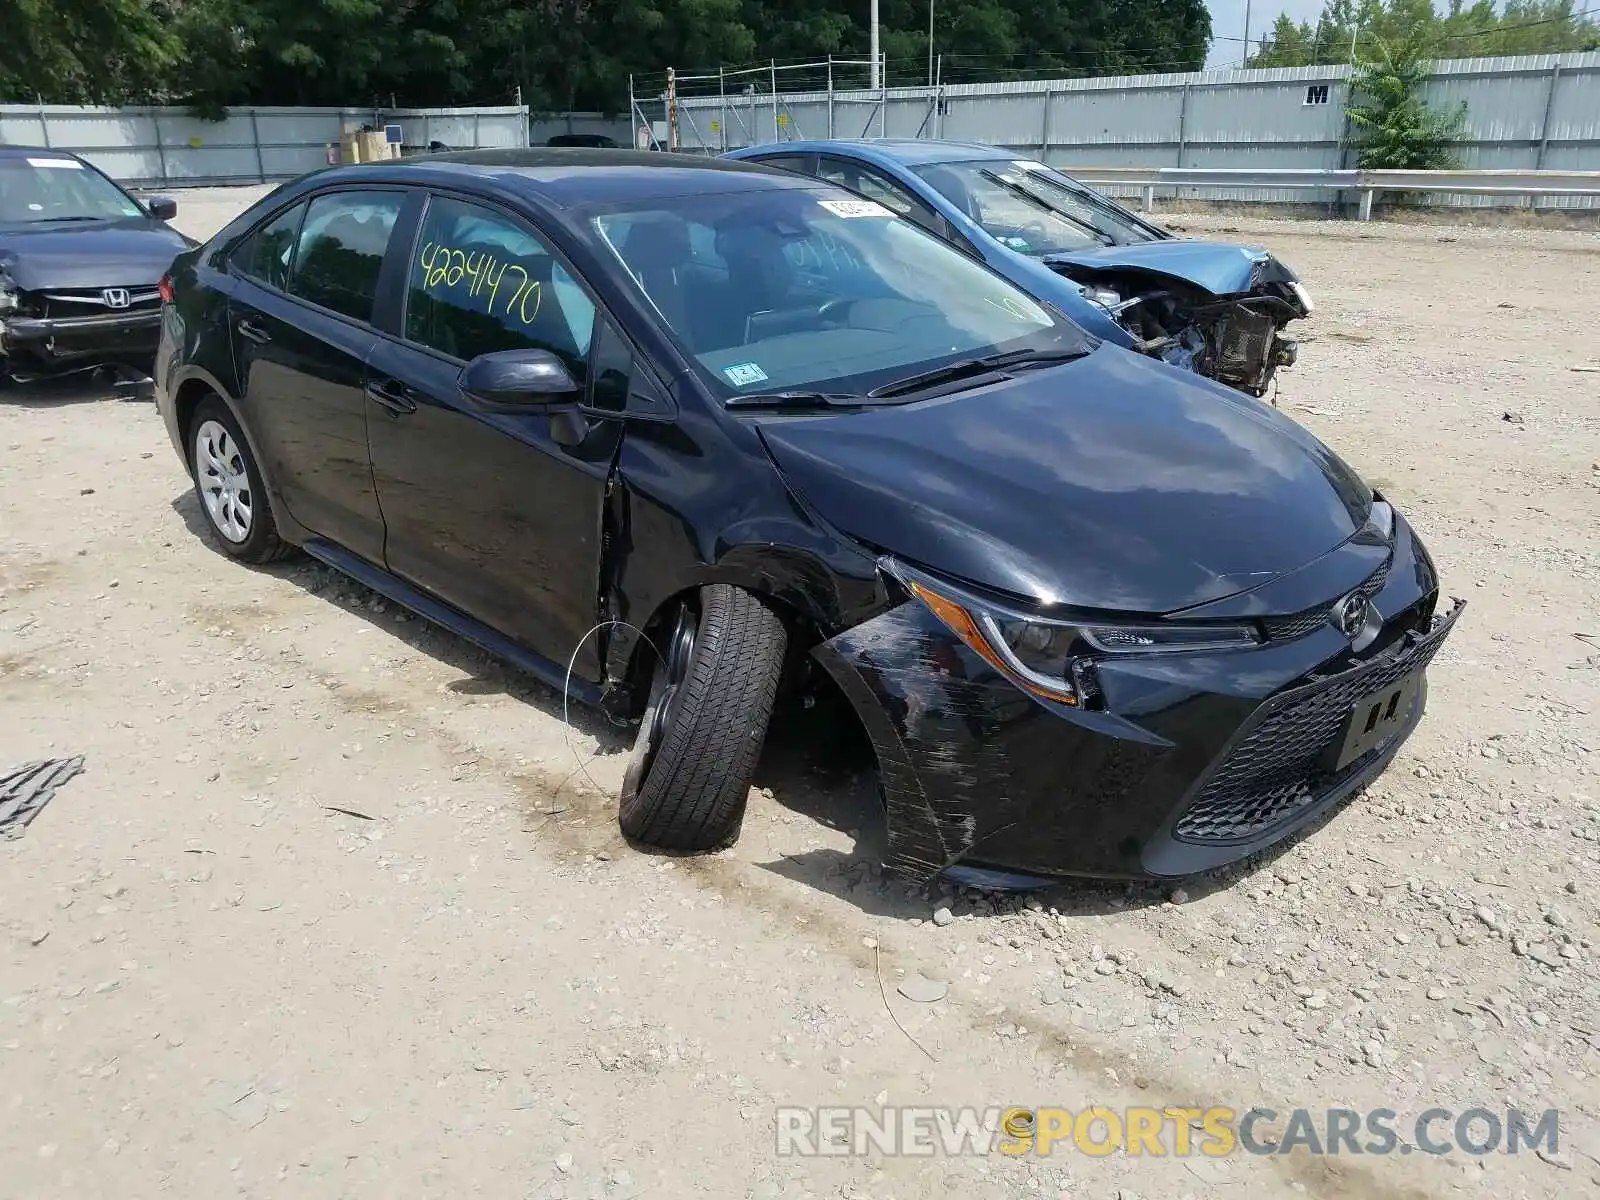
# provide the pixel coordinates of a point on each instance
(1368, 183)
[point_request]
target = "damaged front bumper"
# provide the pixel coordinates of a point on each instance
(37, 347)
(1193, 761)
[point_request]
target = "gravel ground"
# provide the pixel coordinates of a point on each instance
(333, 911)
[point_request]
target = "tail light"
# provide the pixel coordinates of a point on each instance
(165, 288)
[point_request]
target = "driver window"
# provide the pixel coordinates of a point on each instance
(482, 282)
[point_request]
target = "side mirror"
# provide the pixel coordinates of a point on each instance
(518, 379)
(162, 208)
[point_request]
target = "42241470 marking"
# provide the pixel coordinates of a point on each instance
(446, 268)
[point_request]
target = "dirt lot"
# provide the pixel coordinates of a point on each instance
(214, 982)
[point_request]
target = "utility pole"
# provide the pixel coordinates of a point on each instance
(876, 77)
(930, 43)
(1246, 61)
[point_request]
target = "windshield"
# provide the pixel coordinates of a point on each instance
(52, 188)
(1032, 209)
(790, 288)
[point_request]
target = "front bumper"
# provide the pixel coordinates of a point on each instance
(48, 345)
(1195, 762)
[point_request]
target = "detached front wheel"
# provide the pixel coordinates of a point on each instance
(711, 696)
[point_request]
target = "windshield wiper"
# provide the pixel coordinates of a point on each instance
(1088, 227)
(968, 367)
(60, 220)
(794, 399)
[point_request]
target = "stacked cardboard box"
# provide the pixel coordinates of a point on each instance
(357, 146)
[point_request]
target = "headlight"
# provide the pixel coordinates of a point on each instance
(1303, 296)
(1053, 658)
(1107, 298)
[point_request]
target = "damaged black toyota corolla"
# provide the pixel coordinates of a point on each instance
(692, 428)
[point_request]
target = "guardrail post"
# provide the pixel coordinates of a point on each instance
(1149, 197)
(1366, 205)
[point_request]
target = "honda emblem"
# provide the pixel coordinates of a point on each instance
(115, 297)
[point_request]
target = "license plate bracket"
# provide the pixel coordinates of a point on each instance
(1376, 717)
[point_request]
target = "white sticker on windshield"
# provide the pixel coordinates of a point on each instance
(855, 208)
(70, 164)
(744, 374)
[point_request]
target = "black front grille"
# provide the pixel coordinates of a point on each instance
(1297, 625)
(1277, 765)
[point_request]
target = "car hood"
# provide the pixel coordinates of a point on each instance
(1111, 482)
(128, 253)
(1219, 268)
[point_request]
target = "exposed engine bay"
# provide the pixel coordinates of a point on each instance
(1237, 340)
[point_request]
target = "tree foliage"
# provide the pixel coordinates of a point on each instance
(84, 51)
(561, 53)
(1461, 31)
(1392, 126)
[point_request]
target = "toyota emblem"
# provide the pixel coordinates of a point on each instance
(115, 297)
(1350, 614)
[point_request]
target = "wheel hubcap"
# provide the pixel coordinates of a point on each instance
(671, 670)
(224, 484)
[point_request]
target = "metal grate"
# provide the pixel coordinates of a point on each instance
(1297, 625)
(1242, 340)
(1276, 766)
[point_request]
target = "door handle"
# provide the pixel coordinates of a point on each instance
(254, 332)
(395, 397)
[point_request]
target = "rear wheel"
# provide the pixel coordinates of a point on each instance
(228, 484)
(711, 696)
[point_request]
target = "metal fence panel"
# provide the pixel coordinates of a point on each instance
(170, 146)
(1526, 113)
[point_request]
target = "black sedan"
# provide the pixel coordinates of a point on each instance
(80, 260)
(689, 427)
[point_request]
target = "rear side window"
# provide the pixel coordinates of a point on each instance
(482, 282)
(268, 252)
(340, 250)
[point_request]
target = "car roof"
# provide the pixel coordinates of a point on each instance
(9, 151)
(570, 176)
(908, 151)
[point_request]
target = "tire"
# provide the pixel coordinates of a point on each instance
(711, 697)
(227, 482)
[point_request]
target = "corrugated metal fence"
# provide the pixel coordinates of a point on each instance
(1532, 112)
(169, 146)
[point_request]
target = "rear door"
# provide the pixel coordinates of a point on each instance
(300, 321)
(484, 509)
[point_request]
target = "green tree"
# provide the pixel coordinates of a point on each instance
(1462, 31)
(85, 51)
(1392, 126)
